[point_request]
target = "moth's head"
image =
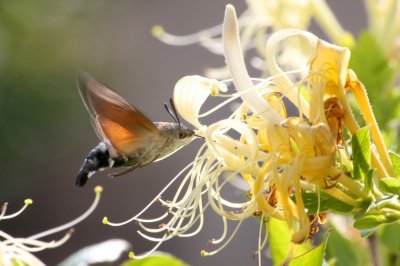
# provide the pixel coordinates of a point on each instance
(184, 132)
(176, 135)
(175, 130)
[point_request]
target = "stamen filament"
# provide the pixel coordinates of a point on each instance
(5, 217)
(98, 191)
(204, 253)
(153, 200)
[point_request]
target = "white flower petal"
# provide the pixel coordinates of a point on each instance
(282, 79)
(237, 68)
(191, 92)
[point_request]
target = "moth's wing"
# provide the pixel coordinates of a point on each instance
(83, 79)
(115, 120)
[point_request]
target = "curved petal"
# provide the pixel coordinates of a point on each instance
(191, 92)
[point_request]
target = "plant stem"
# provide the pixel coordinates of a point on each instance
(373, 246)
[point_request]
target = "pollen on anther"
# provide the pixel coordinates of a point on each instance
(105, 220)
(131, 255)
(98, 189)
(214, 91)
(157, 31)
(28, 201)
(203, 253)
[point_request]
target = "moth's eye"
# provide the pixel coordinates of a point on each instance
(181, 135)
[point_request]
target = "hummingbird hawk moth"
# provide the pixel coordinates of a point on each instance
(128, 138)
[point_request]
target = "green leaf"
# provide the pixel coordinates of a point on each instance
(390, 185)
(343, 250)
(313, 257)
(158, 258)
(364, 207)
(395, 158)
(327, 202)
(370, 221)
(280, 241)
(389, 236)
(368, 179)
(361, 146)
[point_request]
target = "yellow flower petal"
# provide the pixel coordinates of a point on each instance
(330, 61)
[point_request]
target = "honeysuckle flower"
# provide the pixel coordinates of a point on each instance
(262, 18)
(282, 158)
(19, 250)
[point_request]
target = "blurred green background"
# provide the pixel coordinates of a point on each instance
(45, 132)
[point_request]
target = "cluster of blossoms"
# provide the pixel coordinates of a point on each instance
(19, 251)
(379, 73)
(284, 159)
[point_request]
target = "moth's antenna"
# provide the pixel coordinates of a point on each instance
(171, 113)
(171, 102)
